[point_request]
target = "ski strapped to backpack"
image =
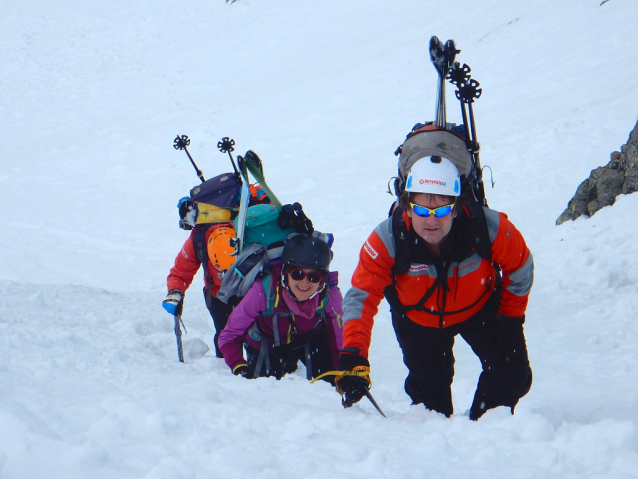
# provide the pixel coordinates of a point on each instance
(220, 200)
(439, 138)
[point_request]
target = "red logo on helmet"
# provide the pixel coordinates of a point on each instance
(431, 182)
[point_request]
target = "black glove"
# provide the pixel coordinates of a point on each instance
(510, 340)
(241, 370)
(353, 387)
(292, 216)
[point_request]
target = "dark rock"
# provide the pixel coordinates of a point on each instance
(619, 176)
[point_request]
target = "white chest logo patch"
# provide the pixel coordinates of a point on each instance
(418, 267)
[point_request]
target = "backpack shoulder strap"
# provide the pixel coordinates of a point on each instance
(479, 227)
(401, 242)
(201, 250)
(401, 258)
(322, 304)
(272, 297)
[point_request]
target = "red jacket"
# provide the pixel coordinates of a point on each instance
(187, 265)
(469, 282)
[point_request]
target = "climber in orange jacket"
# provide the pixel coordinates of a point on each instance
(447, 266)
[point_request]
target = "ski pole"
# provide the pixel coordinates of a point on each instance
(226, 145)
(467, 92)
(180, 143)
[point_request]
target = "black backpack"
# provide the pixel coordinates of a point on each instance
(222, 191)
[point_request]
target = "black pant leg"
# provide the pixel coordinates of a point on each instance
(427, 353)
(497, 386)
(219, 311)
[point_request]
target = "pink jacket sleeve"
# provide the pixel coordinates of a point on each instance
(239, 322)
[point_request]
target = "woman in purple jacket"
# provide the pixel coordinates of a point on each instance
(292, 314)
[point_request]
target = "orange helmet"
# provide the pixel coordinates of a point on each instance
(220, 247)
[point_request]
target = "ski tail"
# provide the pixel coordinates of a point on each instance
(255, 166)
(243, 205)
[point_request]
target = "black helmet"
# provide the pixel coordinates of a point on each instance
(307, 252)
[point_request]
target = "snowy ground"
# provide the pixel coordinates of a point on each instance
(92, 95)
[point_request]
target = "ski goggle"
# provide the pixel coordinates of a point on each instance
(299, 274)
(439, 212)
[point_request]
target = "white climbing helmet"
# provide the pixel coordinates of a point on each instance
(435, 175)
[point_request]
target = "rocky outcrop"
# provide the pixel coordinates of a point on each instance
(619, 176)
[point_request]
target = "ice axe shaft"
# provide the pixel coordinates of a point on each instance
(178, 337)
(178, 330)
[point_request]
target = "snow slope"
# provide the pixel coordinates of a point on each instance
(92, 95)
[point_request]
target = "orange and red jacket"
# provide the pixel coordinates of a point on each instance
(468, 285)
(186, 266)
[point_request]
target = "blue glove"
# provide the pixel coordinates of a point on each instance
(173, 300)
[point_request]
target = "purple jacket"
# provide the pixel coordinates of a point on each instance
(249, 312)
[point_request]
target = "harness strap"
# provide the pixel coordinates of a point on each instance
(263, 355)
(275, 330)
(448, 313)
(201, 251)
(419, 305)
(308, 361)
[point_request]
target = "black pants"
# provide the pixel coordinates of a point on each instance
(219, 311)
(427, 353)
(283, 359)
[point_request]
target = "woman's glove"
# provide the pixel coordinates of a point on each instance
(355, 386)
(241, 370)
(510, 340)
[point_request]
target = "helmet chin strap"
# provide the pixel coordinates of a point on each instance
(284, 283)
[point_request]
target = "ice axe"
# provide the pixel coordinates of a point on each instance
(178, 331)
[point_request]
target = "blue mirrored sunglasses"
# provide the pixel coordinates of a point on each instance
(439, 212)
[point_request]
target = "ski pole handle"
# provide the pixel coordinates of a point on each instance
(226, 145)
(180, 143)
